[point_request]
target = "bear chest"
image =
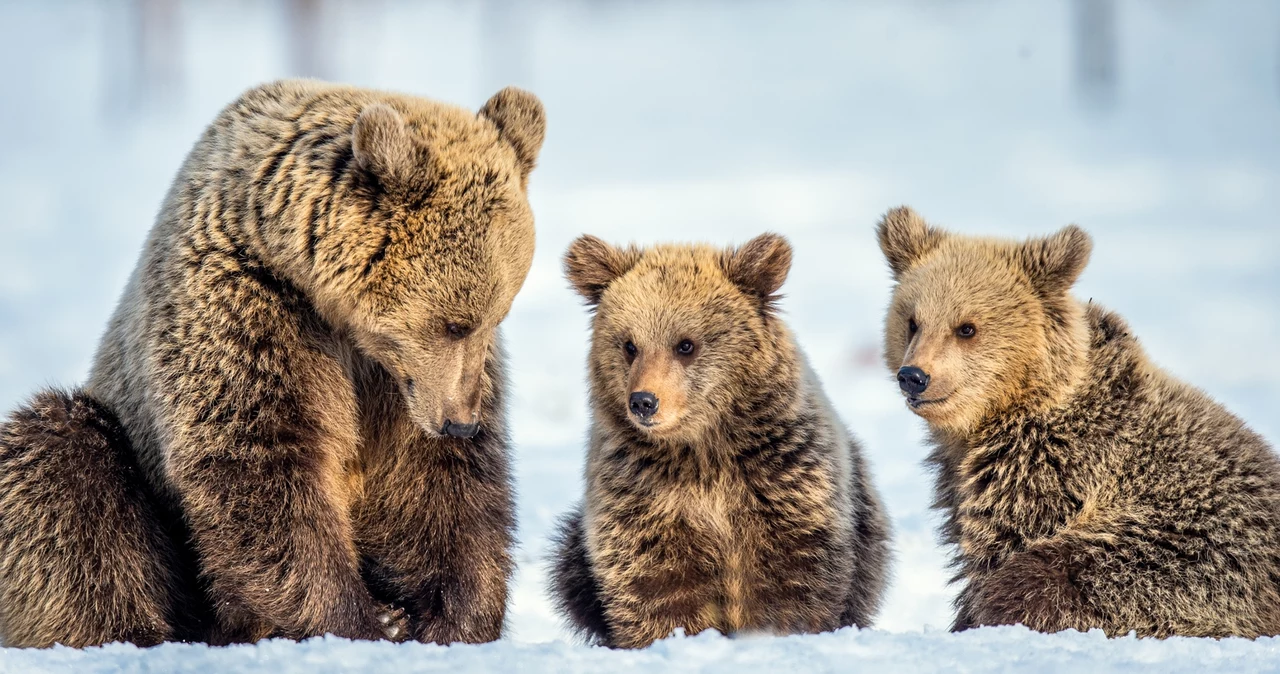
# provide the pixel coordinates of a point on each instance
(721, 528)
(715, 515)
(1011, 495)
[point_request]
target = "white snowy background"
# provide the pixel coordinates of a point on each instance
(1154, 124)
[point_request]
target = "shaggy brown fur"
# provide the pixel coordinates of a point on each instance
(307, 374)
(81, 467)
(1083, 487)
(741, 504)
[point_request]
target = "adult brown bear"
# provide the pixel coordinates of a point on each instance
(294, 424)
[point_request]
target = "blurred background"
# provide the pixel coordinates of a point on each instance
(1153, 124)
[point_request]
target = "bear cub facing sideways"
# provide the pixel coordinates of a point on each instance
(1082, 486)
(722, 491)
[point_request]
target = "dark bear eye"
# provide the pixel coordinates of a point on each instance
(630, 349)
(966, 331)
(457, 331)
(684, 348)
(911, 326)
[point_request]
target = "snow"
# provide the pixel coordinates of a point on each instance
(714, 121)
(988, 650)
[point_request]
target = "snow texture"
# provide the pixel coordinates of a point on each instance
(712, 121)
(999, 649)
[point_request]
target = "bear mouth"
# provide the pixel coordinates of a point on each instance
(918, 403)
(646, 424)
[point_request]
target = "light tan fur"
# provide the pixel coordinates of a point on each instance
(1083, 487)
(741, 505)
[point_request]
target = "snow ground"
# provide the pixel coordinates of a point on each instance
(1003, 649)
(716, 121)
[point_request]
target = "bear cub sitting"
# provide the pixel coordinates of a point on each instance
(1083, 486)
(722, 491)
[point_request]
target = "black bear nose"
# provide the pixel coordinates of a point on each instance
(912, 380)
(644, 404)
(460, 430)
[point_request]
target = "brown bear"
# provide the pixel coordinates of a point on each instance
(1082, 486)
(294, 424)
(722, 491)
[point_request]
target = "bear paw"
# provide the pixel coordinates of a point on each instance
(394, 622)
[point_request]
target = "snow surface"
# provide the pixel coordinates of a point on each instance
(714, 121)
(1000, 649)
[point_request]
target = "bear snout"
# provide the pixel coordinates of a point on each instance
(644, 404)
(912, 380)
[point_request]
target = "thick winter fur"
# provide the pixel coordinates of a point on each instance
(742, 505)
(66, 458)
(317, 305)
(1083, 487)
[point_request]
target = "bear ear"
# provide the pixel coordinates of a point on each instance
(591, 265)
(1053, 263)
(905, 238)
(381, 144)
(760, 266)
(521, 121)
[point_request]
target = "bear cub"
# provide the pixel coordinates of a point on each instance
(1082, 486)
(722, 491)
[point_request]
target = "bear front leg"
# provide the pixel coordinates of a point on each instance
(1038, 587)
(261, 424)
(655, 576)
(275, 543)
(438, 523)
(806, 572)
(805, 558)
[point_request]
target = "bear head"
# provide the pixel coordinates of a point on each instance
(425, 261)
(977, 326)
(679, 331)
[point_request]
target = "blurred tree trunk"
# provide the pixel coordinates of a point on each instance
(506, 44)
(308, 43)
(1095, 39)
(145, 64)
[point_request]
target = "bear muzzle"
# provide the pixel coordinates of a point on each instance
(447, 418)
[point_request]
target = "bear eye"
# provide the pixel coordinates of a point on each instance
(630, 349)
(685, 347)
(457, 331)
(966, 331)
(911, 326)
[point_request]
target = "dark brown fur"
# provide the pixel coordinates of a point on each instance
(1083, 487)
(742, 505)
(81, 468)
(318, 301)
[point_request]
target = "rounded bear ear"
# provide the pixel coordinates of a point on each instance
(1053, 263)
(905, 238)
(591, 265)
(521, 121)
(381, 144)
(760, 266)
